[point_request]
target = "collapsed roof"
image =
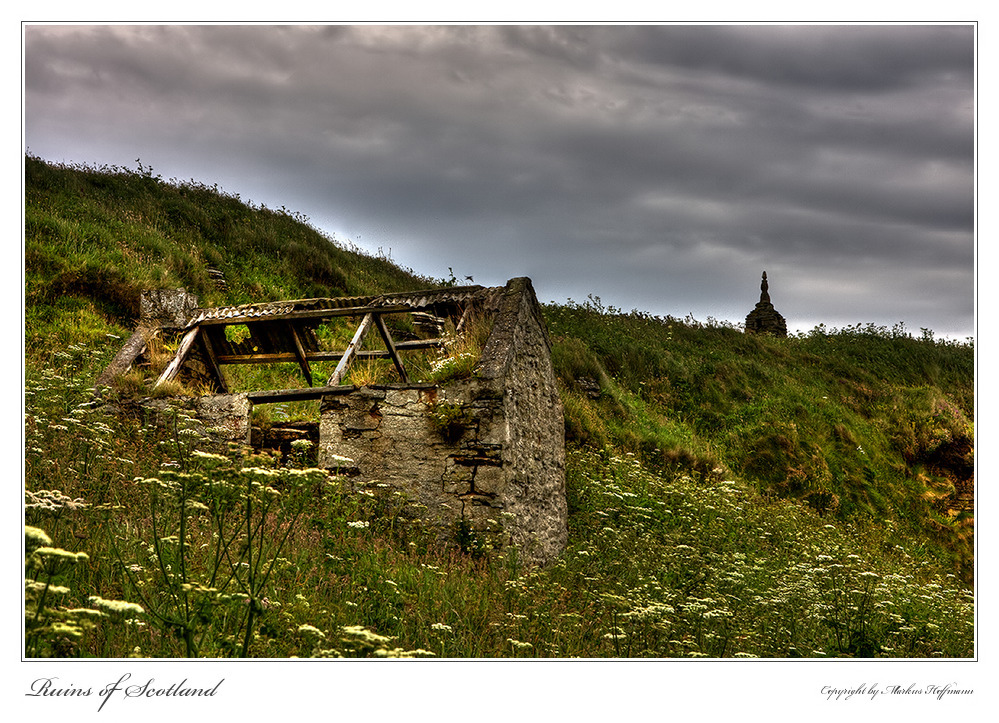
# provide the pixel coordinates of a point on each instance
(285, 331)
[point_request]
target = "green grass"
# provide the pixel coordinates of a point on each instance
(96, 237)
(657, 565)
(729, 495)
(863, 423)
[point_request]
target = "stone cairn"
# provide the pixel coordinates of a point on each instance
(764, 319)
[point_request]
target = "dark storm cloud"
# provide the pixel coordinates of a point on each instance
(660, 168)
(820, 58)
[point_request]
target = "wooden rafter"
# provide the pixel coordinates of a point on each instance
(174, 366)
(466, 314)
(390, 346)
(303, 362)
(212, 361)
(135, 347)
(352, 348)
(326, 356)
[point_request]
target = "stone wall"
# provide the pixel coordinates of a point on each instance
(166, 308)
(217, 420)
(486, 453)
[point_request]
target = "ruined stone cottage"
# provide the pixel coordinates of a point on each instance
(482, 453)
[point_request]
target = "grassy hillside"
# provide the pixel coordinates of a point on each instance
(729, 495)
(866, 424)
(96, 237)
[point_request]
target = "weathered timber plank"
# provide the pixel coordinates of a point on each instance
(419, 344)
(466, 315)
(390, 346)
(325, 356)
(348, 355)
(272, 396)
(213, 364)
(174, 366)
(296, 395)
(125, 357)
(276, 358)
(300, 354)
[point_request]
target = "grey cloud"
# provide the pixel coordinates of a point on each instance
(660, 166)
(867, 58)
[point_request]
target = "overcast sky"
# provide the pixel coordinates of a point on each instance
(661, 168)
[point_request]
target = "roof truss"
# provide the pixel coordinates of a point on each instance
(282, 332)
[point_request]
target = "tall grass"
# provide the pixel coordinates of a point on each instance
(729, 496)
(659, 563)
(862, 423)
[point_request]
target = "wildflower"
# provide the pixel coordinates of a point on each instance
(362, 634)
(34, 586)
(85, 613)
(60, 554)
(209, 456)
(358, 524)
(66, 629)
(116, 607)
(400, 653)
(441, 627)
(35, 537)
(311, 631)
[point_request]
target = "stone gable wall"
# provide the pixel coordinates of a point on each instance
(498, 468)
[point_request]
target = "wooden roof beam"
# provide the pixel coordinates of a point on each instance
(212, 360)
(303, 361)
(348, 355)
(390, 346)
(174, 366)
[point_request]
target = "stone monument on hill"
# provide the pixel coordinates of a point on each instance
(764, 319)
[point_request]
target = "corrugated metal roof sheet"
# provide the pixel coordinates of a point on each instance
(416, 300)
